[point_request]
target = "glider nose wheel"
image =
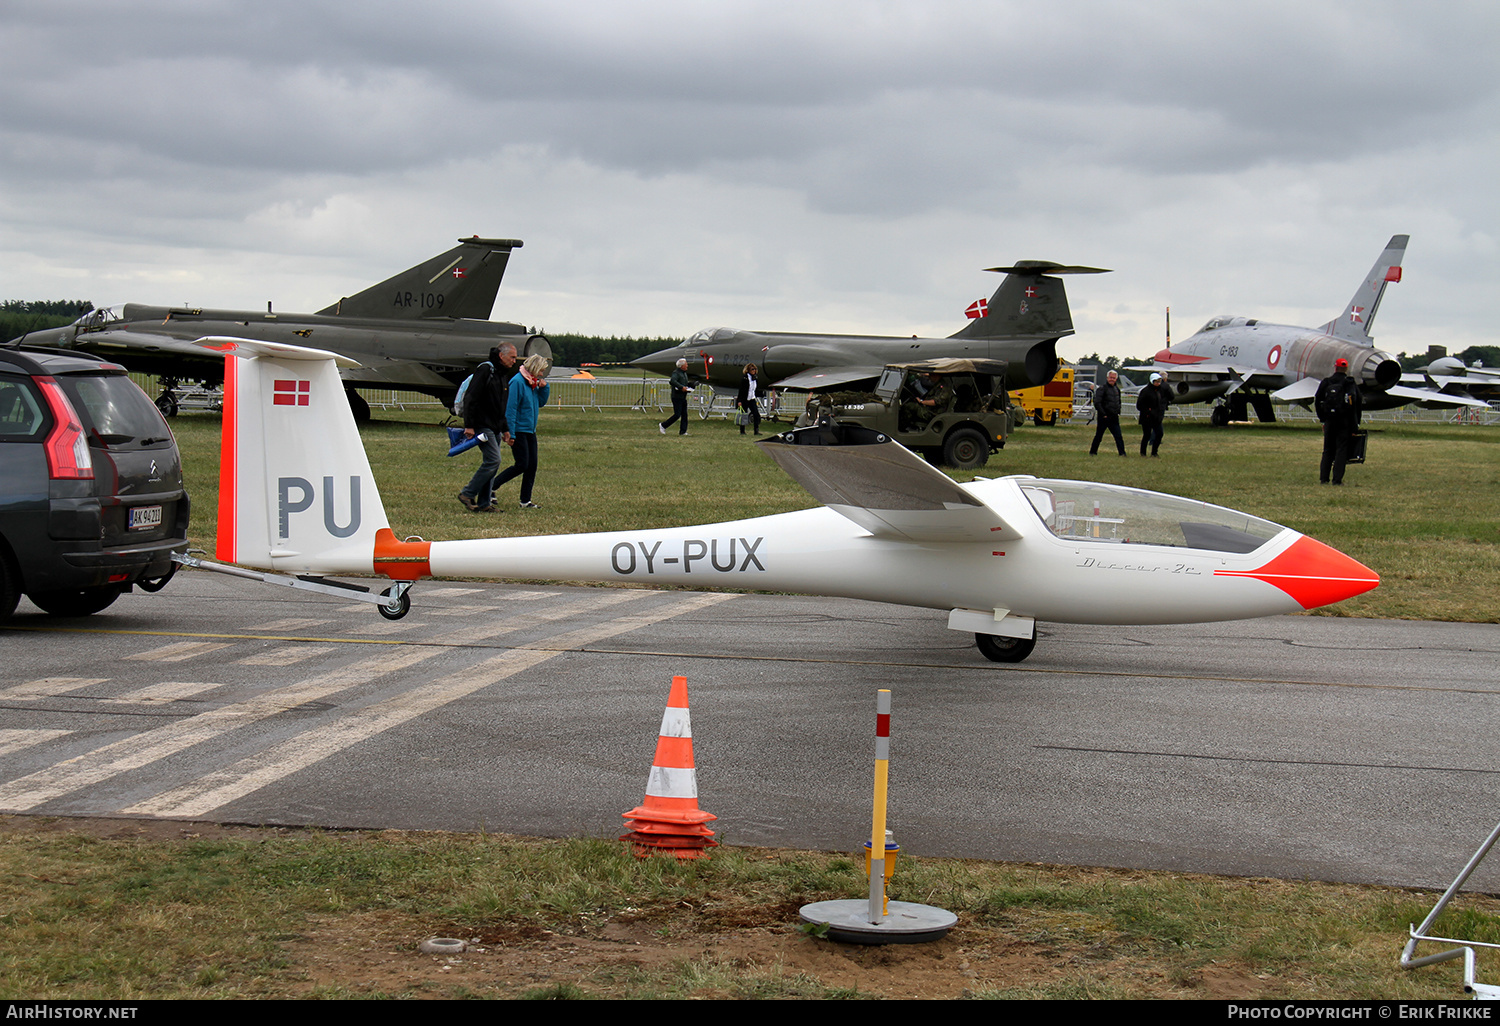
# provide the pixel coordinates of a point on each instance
(1004, 650)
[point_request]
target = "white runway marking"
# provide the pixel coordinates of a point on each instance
(179, 650)
(17, 739)
(290, 624)
(286, 655)
(251, 774)
(383, 627)
(48, 686)
(148, 746)
(166, 691)
(136, 751)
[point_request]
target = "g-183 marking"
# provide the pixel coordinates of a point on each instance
(723, 555)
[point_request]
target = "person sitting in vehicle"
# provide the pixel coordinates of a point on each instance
(932, 396)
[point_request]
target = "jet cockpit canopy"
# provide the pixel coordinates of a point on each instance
(706, 337)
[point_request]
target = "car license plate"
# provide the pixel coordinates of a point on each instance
(142, 517)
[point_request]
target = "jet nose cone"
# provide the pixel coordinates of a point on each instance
(661, 362)
(1315, 574)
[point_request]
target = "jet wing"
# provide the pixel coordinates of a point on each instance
(1428, 395)
(817, 378)
(1231, 369)
(1298, 391)
(883, 487)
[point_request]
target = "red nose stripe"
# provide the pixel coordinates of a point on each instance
(1313, 574)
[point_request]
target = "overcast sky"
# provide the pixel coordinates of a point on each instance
(788, 166)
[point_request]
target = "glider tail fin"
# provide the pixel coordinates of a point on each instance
(295, 491)
(1029, 301)
(1354, 323)
(459, 283)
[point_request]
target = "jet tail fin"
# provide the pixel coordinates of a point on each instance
(1354, 323)
(1029, 301)
(462, 282)
(295, 489)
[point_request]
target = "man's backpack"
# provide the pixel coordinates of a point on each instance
(1334, 401)
(463, 391)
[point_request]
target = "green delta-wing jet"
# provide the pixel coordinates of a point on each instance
(423, 330)
(1020, 324)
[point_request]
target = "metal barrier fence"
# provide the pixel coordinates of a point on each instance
(649, 395)
(654, 395)
(1297, 415)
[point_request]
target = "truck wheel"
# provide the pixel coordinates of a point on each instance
(1004, 650)
(1052, 421)
(966, 449)
(1036, 418)
(76, 601)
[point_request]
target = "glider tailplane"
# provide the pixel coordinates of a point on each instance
(295, 492)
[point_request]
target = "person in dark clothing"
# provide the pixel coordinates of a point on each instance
(1107, 409)
(748, 398)
(1339, 407)
(484, 415)
(1152, 405)
(681, 385)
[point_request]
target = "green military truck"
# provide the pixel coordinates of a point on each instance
(953, 412)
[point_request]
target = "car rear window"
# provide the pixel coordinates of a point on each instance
(21, 413)
(116, 412)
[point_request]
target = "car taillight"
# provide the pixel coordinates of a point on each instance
(68, 457)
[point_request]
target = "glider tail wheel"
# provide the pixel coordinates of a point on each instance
(394, 609)
(1004, 650)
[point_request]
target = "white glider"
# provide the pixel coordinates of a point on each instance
(297, 497)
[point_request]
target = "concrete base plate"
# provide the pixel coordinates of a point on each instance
(905, 923)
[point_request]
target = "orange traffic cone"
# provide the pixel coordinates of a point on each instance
(670, 822)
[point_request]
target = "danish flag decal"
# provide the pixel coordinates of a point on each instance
(459, 272)
(1354, 315)
(290, 393)
(978, 308)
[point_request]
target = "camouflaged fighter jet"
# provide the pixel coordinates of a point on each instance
(1242, 360)
(1020, 324)
(423, 330)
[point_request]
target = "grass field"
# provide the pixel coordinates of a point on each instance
(106, 910)
(1424, 512)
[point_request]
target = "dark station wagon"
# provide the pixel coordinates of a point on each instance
(91, 495)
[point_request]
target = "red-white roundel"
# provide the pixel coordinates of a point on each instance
(1273, 358)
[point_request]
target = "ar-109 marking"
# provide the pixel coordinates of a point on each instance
(623, 557)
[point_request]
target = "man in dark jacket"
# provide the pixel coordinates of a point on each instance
(1152, 405)
(484, 415)
(681, 386)
(1107, 409)
(1339, 408)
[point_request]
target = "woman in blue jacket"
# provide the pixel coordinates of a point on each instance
(528, 394)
